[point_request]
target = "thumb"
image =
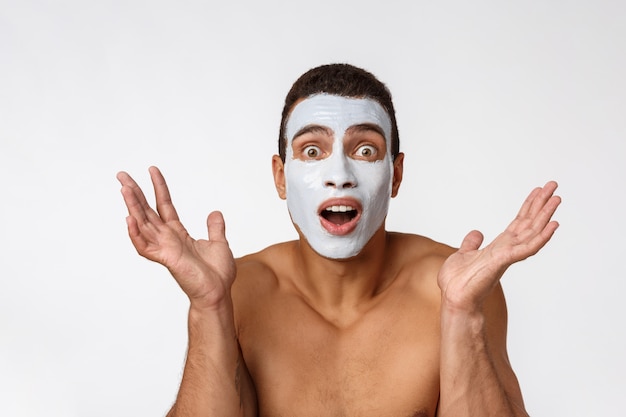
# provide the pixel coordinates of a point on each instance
(216, 227)
(472, 241)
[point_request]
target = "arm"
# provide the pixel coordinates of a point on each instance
(476, 377)
(215, 381)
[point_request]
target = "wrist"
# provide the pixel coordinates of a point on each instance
(202, 306)
(468, 320)
(215, 323)
(459, 305)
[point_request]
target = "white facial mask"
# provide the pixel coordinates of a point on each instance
(338, 179)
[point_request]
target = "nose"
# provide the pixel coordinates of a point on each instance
(339, 173)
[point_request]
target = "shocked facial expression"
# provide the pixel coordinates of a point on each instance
(338, 172)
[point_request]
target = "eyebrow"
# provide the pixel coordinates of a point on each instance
(314, 129)
(366, 127)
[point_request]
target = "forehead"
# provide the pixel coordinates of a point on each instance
(337, 113)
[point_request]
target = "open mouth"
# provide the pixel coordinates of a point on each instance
(339, 215)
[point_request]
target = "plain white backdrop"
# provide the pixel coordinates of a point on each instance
(492, 99)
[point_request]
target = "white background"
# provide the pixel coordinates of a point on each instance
(492, 99)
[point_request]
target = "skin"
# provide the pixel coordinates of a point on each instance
(408, 327)
(321, 170)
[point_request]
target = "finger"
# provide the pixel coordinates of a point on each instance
(542, 198)
(472, 241)
(135, 199)
(163, 199)
(137, 239)
(216, 227)
(525, 209)
(127, 181)
(134, 206)
(546, 213)
(539, 240)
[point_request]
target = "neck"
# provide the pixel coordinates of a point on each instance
(339, 288)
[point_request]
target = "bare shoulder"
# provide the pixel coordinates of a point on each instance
(260, 268)
(420, 245)
(257, 275)
(418, 252)
(423, 257)
(417, 261)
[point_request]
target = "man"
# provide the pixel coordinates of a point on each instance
(348, 320)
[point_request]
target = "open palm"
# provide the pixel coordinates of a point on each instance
(470, 274)
(204, 269)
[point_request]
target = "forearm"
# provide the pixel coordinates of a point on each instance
(210, 385)
(473, 381)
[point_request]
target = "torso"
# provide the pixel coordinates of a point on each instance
(383, 360)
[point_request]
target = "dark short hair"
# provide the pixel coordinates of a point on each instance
(342, 80)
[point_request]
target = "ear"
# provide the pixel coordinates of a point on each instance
(398, 169)
(278, 169)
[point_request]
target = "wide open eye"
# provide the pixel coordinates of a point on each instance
(312, 152)
(366, 152)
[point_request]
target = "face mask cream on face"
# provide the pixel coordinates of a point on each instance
(339, 199)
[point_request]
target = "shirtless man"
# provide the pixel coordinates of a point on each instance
(350, 319)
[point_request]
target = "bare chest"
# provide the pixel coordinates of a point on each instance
(386, 364)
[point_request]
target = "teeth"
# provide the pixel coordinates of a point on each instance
(339, 209)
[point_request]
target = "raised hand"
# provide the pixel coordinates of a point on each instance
(204, 269)
(470, 274)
